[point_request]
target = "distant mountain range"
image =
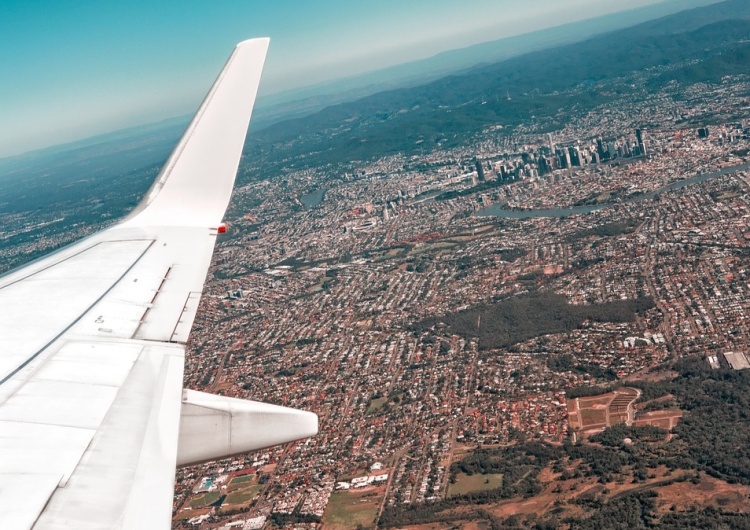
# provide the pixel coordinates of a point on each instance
(415, 119)
(304, 101)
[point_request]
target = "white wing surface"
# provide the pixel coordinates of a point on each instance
(93, 417)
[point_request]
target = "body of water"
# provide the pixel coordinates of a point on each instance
(498, 210)
(314, 198)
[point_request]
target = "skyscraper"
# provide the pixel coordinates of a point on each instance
(641, 144)
(574, 155)
(480, 171)
(600, 149)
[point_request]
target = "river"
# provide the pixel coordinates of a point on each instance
(497, 210)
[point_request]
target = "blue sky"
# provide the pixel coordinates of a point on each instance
(71, 69)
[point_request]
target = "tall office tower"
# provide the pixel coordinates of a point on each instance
(575, 156)
(543, 165)
(480, 171)
(551, 143)
(600, 149)
(562, 157)
(641, 143)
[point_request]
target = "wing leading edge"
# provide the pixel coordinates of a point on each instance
(92, 342)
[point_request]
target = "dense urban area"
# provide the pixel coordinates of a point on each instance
(428, 308)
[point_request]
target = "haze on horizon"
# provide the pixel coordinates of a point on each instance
(74, 70)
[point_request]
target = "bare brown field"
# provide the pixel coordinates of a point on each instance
(592, 402)
(708, 492)
(592, 418)
(184, 515)
(591, 414)
(268, 468)
(475, 526)
(618, 418)
(535, 505)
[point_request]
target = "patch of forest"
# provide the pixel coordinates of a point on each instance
(715, 426)
(616, 435)
(616, 228)
(568, 363)
(517, 319)
(638, 511)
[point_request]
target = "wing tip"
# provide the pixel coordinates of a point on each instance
(257, 41)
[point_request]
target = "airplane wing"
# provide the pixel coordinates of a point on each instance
(93, 416)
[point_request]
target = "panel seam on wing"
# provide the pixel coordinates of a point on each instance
(83, 313)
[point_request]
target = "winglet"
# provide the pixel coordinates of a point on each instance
(195, 185)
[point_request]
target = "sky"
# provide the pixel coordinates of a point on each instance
(76, 68)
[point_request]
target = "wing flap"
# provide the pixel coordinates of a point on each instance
(24, 496)
(47, 424)
(125, 475)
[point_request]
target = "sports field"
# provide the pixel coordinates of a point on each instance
(347, 509)
(470, 483)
